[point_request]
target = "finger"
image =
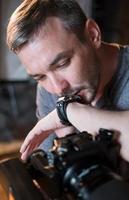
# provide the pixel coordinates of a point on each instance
(33, 144)
(27, 142)
(28, 150)
(23, 156)
(33, 138)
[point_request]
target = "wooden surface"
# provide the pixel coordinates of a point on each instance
(10, 149)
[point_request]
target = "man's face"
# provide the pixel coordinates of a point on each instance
(60, 62)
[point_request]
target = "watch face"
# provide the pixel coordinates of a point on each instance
(61, 98)
(72, 98)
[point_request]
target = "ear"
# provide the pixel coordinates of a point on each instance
(93, 32)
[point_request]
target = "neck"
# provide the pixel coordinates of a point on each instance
(108, 57)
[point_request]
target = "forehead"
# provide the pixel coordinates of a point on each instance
(50, 40)
(53, 31)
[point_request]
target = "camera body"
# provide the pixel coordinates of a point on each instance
(79, 166)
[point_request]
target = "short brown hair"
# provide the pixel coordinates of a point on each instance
(32, 14)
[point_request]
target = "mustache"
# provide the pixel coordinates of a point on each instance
(73, 91)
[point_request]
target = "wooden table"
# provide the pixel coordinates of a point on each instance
(10, 149)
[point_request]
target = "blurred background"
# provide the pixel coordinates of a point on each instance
(18, 91)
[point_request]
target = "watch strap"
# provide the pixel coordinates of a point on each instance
(61, 106)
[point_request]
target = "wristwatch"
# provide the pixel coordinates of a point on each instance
(61, 106)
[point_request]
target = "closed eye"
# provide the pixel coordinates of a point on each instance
(39, 77)
(64, 62)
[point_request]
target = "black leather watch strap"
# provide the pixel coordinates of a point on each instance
(61, 106)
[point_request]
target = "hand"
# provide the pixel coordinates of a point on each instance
(41, 131)
(33, 140)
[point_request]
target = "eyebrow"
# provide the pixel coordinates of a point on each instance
(59, 57)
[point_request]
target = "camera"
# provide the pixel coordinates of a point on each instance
(78, 167)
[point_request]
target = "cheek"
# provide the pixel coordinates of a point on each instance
(73, 77)
(77, 73)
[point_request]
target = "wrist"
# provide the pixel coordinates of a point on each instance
(61, 107)
(73, 109)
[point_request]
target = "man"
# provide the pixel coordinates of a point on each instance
(63, 51)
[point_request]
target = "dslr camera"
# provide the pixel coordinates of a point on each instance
(78, 167)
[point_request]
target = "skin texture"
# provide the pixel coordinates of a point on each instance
(62, 64)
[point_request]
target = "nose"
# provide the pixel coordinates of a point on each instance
(59, 85)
